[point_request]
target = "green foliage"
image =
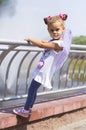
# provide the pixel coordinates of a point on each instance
(1, 1)
(81, 40)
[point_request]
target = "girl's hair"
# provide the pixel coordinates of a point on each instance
(60, 18)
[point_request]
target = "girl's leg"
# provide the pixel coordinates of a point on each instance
(32, 93)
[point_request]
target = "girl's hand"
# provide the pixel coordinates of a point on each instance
(26, 40)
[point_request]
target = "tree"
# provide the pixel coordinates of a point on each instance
(7, 7)
(1, 1)
(81, 40)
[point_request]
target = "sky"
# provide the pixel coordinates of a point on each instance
(20, 19)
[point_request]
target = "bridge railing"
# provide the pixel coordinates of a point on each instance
(18, 61)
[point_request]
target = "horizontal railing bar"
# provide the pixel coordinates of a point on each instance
(74, 46)
(78, 51)
(61, 90)
(44, 93)
(36, 49)
(24, 43)
(14, 42)
(28, 49)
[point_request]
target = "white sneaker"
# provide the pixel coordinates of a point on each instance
(22, 112)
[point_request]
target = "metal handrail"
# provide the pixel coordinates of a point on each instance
(23, 56)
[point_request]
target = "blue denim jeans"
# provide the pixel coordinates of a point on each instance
(32, 93)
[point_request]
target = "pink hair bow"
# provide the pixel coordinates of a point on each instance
(49, 17)
(63, 16)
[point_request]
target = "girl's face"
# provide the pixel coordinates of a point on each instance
(55, 30)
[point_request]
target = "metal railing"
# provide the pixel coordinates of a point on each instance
(17, 63)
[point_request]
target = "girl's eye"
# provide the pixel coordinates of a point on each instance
(52, 30)
(57, 29)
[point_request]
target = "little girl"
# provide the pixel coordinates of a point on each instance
(55, 53)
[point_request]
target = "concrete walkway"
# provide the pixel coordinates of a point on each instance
(80, 125)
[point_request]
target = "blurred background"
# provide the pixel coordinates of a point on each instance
(20, 19)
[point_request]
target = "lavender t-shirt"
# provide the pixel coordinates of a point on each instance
(52, 60)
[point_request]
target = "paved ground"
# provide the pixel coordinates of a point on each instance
(68, 121)
(81, 125)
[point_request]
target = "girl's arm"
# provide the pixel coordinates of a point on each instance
(45, 44)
